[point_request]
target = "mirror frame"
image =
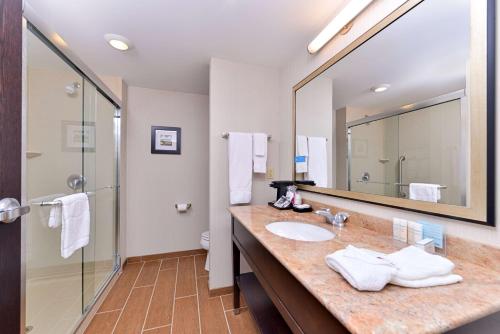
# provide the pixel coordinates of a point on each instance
(482, 97)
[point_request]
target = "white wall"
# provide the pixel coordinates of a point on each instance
(304, 64)
(156, 182)
(243, 98)
(315, 118)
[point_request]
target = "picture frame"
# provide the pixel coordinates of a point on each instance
(165, 140)
(78, 136)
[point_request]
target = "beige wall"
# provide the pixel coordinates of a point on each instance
(156, 182)
(315, 118)
(300, 68)
(243, 98)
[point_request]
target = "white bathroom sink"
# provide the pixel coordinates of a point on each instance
(300, 231)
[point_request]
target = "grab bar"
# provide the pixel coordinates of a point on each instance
(375, 182)
(400, 176)
(59, 203)
(407, 185)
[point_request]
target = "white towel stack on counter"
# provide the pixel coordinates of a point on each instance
(411, 267)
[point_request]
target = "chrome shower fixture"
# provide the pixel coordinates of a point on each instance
(72, 89)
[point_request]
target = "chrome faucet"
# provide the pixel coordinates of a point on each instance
(337, 219)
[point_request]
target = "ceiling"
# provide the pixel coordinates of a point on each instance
(175, 39)
(422, 55)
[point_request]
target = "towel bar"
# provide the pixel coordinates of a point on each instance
(58, 203)
(407, 185)
(225, 135)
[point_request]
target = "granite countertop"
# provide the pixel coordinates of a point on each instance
(392, 310)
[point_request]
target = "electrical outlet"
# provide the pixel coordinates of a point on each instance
(270, 173)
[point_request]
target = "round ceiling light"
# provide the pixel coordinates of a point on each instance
(380, 88)
(118, 42)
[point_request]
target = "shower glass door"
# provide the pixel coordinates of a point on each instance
(71, 148)
(54, 117)
(99, 169)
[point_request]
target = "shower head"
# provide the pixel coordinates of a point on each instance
(71, 89)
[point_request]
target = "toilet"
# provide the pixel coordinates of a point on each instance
(205, 244)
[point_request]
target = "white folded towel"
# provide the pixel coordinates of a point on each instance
(425, 192)
(301, 154)
(365, 270)
(410, 267)
(415, 264)
(317, 161)
(240, 167)
(427, 282)
(259, 152)
(74, 216)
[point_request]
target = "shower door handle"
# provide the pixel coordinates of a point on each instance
(10, 210)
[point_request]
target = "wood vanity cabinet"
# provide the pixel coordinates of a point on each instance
(278, 302)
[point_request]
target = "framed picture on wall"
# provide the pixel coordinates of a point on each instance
(77, 136)
(165, 140)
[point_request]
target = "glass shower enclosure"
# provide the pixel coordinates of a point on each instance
(72, 146)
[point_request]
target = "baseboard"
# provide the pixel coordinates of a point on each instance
(220, 291)
(151, 257)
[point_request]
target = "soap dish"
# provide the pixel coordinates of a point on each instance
(308, 209)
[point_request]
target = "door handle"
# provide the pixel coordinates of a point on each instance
(10, 210)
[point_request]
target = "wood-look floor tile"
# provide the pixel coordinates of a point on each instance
(148, 273)
(135, 310)
(160, 310)
(200, 265)
(186, 319)
(211, 310)
(120, 291)
(242, 323)
(186, 284)
(227, 301)
(103, 323)
(169, 263)
(161, 330)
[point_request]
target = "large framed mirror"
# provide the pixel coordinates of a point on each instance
(405, 115)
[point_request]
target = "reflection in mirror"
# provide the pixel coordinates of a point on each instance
(392, 117)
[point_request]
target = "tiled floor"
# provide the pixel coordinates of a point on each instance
(168, 296)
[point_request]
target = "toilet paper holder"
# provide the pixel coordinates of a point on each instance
(188, 206)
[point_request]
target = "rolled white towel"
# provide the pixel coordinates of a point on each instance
(365, 270)
(427, 282)
(416, 264)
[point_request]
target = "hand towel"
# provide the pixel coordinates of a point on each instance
(427, 282)
(75, 220)
(240, 167)
(301, 154)
(425, 192)
(363, 269)
(259, 152)
(317, 161)
(415, 264)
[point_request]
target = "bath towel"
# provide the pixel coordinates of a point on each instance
(74, 216)
(425, 192)
(415, 264)
(240, 167)
(365, 270)
(318, 161)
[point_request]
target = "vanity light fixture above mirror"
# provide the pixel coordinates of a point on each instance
(346, 15)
